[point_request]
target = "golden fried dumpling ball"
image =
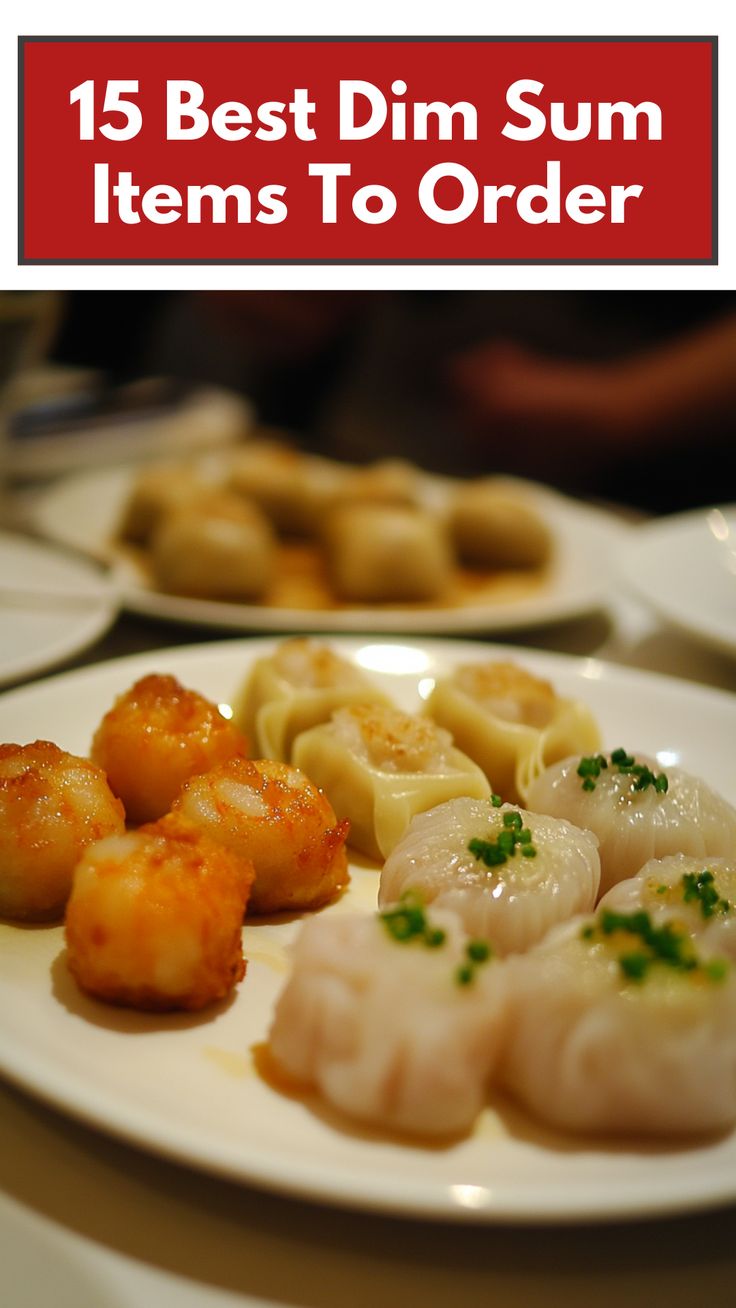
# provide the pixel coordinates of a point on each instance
(154, 920)
(156, 736)
(219, 547)
(158, 490)
(383, 553)
(52, 805)
(272, 814)
(493, 524)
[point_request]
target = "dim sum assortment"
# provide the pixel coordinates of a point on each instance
(551, 921)
(278, 526)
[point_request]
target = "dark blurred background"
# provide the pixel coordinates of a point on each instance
(627, 397)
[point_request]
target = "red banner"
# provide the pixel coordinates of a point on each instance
(480, 151)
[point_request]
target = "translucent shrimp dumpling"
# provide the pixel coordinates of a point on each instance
(621, 1025)
(295, 688)
(696, 893)
(396, 1018)
(637, 811)
(511, 723)
(509, 875)
(380, 766)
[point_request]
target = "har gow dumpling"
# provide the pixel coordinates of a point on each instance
(636, 811)
(295, 688)
(379, 766)
(617, 1025)
(508, 874)
(510, 722)
(698, 894)
(396, 1018)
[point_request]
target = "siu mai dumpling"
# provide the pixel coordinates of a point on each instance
(510, 722)
(620, 1025)
(386, 553)
(637, 811)
(379, 766)
(295, 688)
(508, 874)
(696, 893)
(396, 1018)
(218, 548)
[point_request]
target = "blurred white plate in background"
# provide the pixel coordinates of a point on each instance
(52, 605)
(145, 428)
(684, 567)
(82, 511)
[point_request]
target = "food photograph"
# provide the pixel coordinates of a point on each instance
(367, 797)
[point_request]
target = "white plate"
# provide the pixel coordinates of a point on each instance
(38, 635)
(185, 1086)
(206, 419)
(684, 566)
(82, 511)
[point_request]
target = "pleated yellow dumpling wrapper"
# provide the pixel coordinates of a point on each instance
(379, 767)
(295, 688)
(511, 723)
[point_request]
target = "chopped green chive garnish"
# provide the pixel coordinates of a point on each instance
(496, 801)
(667, 944)
(590, 769)
(476, 953)
(408, 921)
(701, 888)
(513, 837)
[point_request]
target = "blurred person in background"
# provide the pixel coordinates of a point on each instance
(628, 397)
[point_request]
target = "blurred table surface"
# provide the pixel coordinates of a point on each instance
(85, 1220)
